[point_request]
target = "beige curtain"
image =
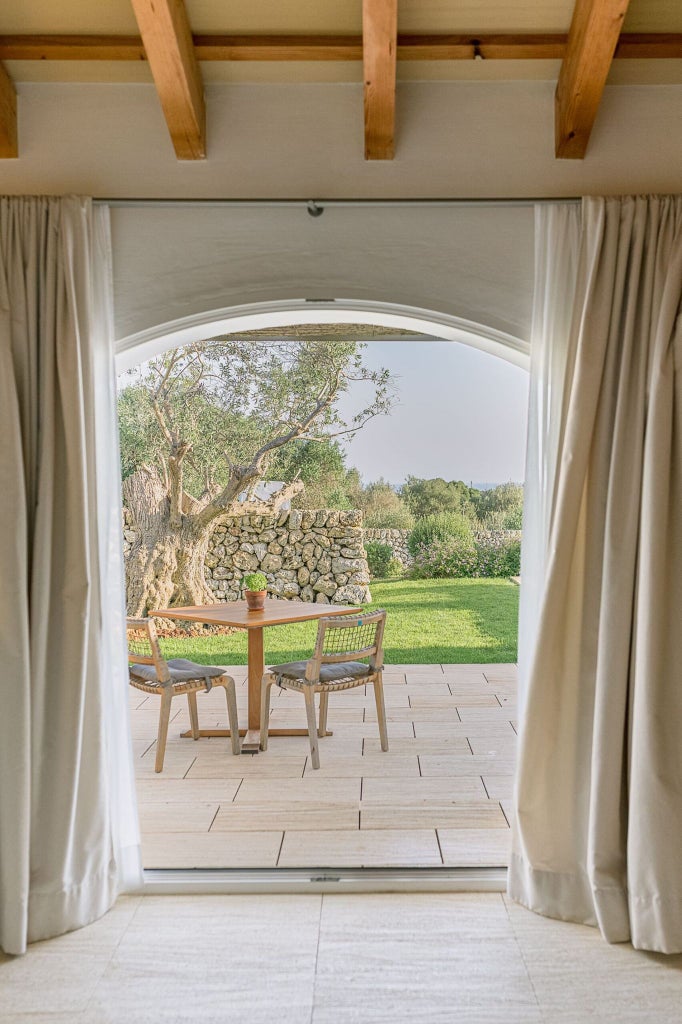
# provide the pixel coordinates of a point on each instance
(597, 834)
(59, 837)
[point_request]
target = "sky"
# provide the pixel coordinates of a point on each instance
(460, 414)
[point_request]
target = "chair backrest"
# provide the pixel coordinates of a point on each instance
(144, 647)
(348, 638)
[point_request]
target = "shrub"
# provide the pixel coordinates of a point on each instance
(442, 526)
(499, 553)
(513, 519)
(379, 558)
(492, 522)
(512, 563)
(503, 519)
(501, 507)
(383, 508)
(490, 555)
(443, 558)
(395, 568)
(399, 518)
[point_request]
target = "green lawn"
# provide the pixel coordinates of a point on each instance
(429, 621)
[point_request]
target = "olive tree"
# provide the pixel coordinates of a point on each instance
(200, 428)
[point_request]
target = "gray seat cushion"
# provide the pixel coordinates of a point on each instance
(181, 671)
(328, 673)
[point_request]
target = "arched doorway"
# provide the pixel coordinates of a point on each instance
(136, 348)
(421, 324)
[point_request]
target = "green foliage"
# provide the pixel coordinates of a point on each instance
(137, 429)
(226, 401)
(255, 581)
(512, 559)
(383, 508)
(321, 465)
(497, 555)
(395, 568)
(444, 558)
(426, 497)
(442, 526)
(501, 507)
(379, 557)
(513, 518)
(452, 622)
(490, 555)
(310, 459)
(389, 519)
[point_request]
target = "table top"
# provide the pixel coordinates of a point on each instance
(236, 613)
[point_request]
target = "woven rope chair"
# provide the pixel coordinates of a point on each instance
(149, 671)
(334, 666)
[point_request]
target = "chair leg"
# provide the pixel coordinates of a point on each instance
(162, 735)
(231, 696)
(193, 714)
(381, 709)
(309, 695)
(265, 687)
(324, 706)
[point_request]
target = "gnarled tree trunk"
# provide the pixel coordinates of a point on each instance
(165, 566)
(166, 563)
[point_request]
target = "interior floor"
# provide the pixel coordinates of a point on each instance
(439, 796)
(380, 959)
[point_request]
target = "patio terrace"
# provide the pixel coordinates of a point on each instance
(439, 796)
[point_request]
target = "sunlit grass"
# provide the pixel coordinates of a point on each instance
(464, 621)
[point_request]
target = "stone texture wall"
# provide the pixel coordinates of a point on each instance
(396, 540)
(308, 555)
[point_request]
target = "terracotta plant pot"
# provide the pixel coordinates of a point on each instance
(255, 600)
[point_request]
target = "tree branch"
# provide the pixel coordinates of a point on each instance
(161, 421)
(268, 506)
(175, 475)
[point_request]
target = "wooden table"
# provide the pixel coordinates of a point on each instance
(235, 613)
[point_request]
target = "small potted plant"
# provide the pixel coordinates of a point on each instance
(255, 589)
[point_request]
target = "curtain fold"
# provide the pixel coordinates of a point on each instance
(62, 808)
(598, 804)
(556, 267)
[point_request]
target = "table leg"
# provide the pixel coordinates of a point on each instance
(256, 667)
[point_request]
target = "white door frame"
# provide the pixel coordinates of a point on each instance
(138, 348)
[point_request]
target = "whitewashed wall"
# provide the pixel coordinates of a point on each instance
(471, 263)
(277, 140)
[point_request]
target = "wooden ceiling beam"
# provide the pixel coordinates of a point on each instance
(631, 46)
(278, 48)
(649, 46)
(9, 146)
(592, 41)
(169, 46)
(379, 48)
(71, 47)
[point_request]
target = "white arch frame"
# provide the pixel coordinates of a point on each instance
(143, 345)
(137, 348)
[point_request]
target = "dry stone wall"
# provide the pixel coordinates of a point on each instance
(310, 555)
(395, 539)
